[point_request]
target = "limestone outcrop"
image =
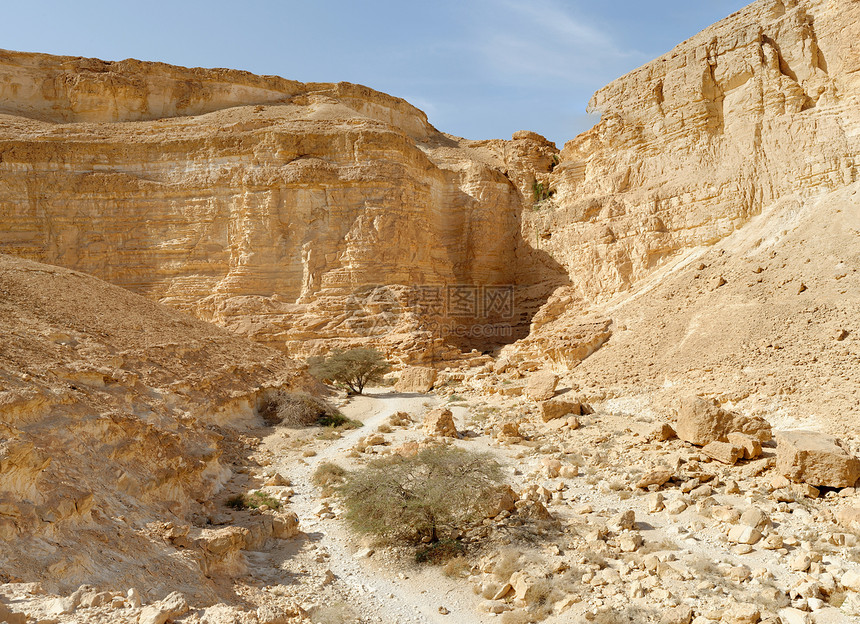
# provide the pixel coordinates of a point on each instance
(115, 412)
(291, 213)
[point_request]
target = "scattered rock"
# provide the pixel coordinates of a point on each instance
(816, 458)
(751, 446)
(171, 606)
(658, 476)
(701, 421)
(541, 386)
(723, 452)
(558, 408)
(440, 422)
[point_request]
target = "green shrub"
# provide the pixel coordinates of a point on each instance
(405, 499)
(353, 369)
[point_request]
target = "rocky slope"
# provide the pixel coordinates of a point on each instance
(287, 212)
(707, 223)
(117, 416)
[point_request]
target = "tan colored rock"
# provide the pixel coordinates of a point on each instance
(849, 517)
(89, 351)
(440, 422)
(723, 452)
(816, 458)
(164, 610)
(750, 444)
(416, 379)
(558, 408)
(744, 535)
(541, 386)
(851, 580)
(741, 614)
(701, 421)
(658, 476)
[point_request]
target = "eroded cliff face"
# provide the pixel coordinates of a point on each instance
(291, 213)
(758, 108)
(116, 416)
(706, 223)
(691, 145)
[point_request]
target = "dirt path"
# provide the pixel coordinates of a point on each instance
(375, 591)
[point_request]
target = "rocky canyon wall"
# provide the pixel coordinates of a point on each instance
(291, 213)
(760, 106)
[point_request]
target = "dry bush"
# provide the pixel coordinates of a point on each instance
(297, 409)
(327, 476)
(405, 499)
(399, 419)
(456, 568)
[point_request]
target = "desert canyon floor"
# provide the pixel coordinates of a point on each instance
(654, 331)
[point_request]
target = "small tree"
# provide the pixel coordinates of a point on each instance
(354, 368)
(407, 499)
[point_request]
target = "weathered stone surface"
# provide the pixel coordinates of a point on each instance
(90, 351)
(164, 610)
(338, 201)
(658, 476)
(416, 379)
(816, 458)
(744, 535)
(723, 452)
(440, 422)
(557, 408)
(541, 386)
(701, 421)
(750, 444)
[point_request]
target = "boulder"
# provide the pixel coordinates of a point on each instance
(541, 386)
(750, 445)
(285, 526)
(701, 421)
(171, 606)
(816, 458)
(658, 476)
(416, 379)
(742, 613)
(557, 408)
(723, 452)
(440, 422)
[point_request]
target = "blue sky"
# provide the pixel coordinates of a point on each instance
(480, 68)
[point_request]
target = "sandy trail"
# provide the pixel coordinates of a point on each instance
(378, 594)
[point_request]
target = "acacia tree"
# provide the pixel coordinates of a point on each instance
(354, 368)
(407, 499)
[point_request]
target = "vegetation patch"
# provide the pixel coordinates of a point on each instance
(439, 491)
(254, 500)
(353, 369)
(298, 409)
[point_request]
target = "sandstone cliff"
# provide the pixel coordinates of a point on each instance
(115, 413)
(706, 222)
(288, 212)
(758, 107)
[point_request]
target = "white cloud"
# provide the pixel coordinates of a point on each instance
(527, 41)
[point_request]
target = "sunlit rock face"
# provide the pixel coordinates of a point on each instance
(293, 213)
(690, 146)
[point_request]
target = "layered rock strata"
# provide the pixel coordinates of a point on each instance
(289, 212)
(116, 416)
